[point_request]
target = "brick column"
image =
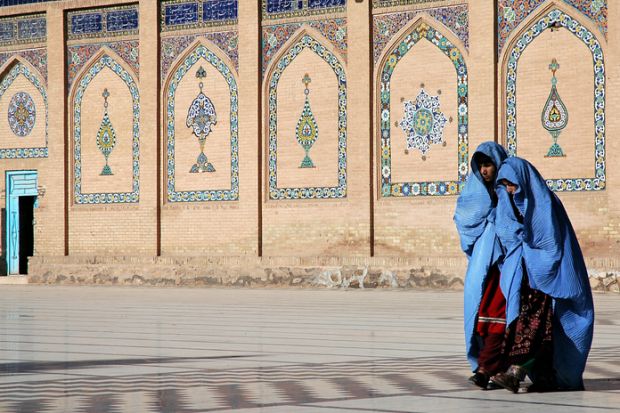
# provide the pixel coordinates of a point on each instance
(359, 137)
(150, 138)
(250, 167)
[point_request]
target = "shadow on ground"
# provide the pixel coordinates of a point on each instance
(602, 384)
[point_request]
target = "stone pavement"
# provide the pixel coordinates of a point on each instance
(125, 349)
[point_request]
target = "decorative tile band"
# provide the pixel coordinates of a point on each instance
(172, 47)
(104, 22)
(385, 26)
(78, 56)
(277, 9)
(589, 39)
(116, 197)
(339, 191)
(228, 194)
(23, 29)
(391, 3)
(184, 14)
(435, 188)
(21, 2)
(274, 36)
(36, 57)
(511, 13)
(17, 153)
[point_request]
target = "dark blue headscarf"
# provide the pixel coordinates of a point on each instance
(474, 218)
(546, 244)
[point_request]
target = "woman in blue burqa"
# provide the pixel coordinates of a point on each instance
(484, 304)
(549, 309)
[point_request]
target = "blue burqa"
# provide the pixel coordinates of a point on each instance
(475, 222)
(546, 244)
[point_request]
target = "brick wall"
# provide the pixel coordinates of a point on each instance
(254, 223)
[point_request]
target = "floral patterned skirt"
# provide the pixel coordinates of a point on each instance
(529, 338)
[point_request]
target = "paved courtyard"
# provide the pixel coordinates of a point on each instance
(113, 349)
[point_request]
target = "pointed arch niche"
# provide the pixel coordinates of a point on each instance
(306, 84)
(201, 72)
(23, 96)
(422, 102)
(108, 89)
(556, 34)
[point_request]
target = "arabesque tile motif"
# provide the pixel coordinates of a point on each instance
(422, 188)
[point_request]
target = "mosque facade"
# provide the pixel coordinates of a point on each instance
(292, 142)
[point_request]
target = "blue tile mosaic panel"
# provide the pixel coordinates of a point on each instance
(5, 3)
(219, 10)
(23, 29)
(553, 17)
(31, 28)
(274, 9)
(195, 58)
(313, 192)
(180, 14)
(7, 31)
(80, 197)
(86, 23)
(122, 20)
(390, 3)
(324, 4)
(184, 14)
(16, 153)
(112, 21)
(423, 32)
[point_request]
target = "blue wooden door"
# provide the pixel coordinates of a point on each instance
(18, 183)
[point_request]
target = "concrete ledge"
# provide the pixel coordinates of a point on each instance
(302, 272)
(347, 272)
(14, 280)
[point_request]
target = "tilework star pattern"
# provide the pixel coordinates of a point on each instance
(274, 36)
(339, 191)
(423, 122)
(219, 194)
(16, 70)
(385, 26)
(511, 13)
(434, 188)
(116, 197)
(22, 114)
(589, 39)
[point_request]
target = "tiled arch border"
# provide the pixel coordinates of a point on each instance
(422, 30)
(229, 194)
(14, 69)
(589, 39)
(307, 41)
(104, 59)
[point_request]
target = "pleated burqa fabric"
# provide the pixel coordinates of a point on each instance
(475, 222)
(547, 245)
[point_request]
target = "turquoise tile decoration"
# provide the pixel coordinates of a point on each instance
(553, 17)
